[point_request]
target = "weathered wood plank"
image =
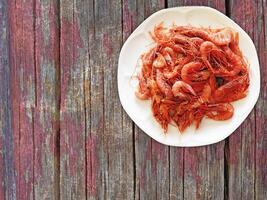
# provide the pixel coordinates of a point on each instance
(218, 4)
(111, 133)
(23, 93)
(7, 171)
(260, 35)
(176, 173)
(203, 167)
(241, 165)
(97, 164)
(46, 113)
(129, 19)
(73, 60)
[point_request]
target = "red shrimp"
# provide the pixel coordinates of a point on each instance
(182, 89)
(163, 85)
(193, 72)
(235, 60)
(171, 52)
(198, 116)
(222, 37)
(233, 90)
(160, 34)
(178, 48)
(219, 112)
(206, 94)
(169, 55)
(143, 91)
(205, 49)
(161, 113)
(184, 120)
(197, 41)
(177, 69)
(175, 72)
(159, 62)
(147, 58)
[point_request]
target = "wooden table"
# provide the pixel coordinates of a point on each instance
(63, 132)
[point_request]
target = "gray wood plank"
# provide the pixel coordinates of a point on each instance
(111, 128)
(7, 169)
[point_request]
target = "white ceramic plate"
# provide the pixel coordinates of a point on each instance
(140, 111)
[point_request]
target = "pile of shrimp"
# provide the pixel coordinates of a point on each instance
(192, 73)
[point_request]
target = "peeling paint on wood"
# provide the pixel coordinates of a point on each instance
(46, 112)
(73, 57)
(63, 132)
(7, 170)
(23, 93)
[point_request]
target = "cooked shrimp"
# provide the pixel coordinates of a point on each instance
(175, 72)
(143, 91)
(233, 90)
(221, 37)
(206, 94)
(163, 85)
(182, 89)
(191, 73)
(205, 49)
(220, 112)
(184, 120)
(159, 62)
(198, 116)
(235, 60)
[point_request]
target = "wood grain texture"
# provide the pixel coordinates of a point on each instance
(260, 28)
(22, 64)
(108, 125)
(63, 132)
(97, 177)
(46, 112)
(241, 153)
(73, 58)
(7, 171)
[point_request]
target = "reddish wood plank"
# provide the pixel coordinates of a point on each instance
(241, 153)
(73, 58)
(260, 35)
(46, 113)
(23, 93)
(7, 172)
(176, 173)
